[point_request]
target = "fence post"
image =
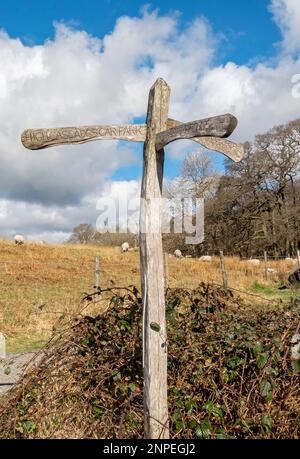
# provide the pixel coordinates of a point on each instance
(166, 270)
(97, 273)
(266, 263)
(223, 270)
(298, 258)
(2, 346)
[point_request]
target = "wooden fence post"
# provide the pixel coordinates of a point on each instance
(152, 269)
(266, 264)
(2, 346)
(298, 258)
(166, 270)
(97, 273)
(223, 270)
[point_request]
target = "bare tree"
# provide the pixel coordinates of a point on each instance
(82, 234)
(197, 178)
(197, 175)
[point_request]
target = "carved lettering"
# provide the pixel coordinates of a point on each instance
(42, 138)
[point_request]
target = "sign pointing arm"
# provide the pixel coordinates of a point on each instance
(36, 139)
(217, 126)
(209, 132)
(232, 150)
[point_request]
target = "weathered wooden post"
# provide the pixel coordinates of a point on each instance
(97, 273)
(158, 131)
(266, 264)
(298, 258)
(166, 270)
(223, 270)
(152, 268)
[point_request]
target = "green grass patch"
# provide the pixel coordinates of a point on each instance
(274, 292)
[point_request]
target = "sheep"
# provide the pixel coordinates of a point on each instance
(290, 260)
(19, 239)
(253, 262)
(40, 242)
(125, 247)
(205, 258)
(272, 271)
(178, 253)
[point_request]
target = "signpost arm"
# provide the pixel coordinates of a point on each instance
(152, 269)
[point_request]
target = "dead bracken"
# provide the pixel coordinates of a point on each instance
(230, 372)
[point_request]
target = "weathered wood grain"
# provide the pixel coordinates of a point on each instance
(216, 126)
(36, 139)
(152, 269)
(232, 150)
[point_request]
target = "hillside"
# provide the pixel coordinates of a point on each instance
(40, 283)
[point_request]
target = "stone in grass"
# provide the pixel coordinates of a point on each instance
(295, 277)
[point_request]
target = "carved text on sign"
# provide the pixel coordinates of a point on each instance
(32, 138)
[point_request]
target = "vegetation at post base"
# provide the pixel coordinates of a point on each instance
(230, 373)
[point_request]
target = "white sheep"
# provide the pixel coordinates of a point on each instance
(178, 253)
(290, 260)
(205, 258)
(272, 271)
(19, 239)
(125, 247)
(253, 262)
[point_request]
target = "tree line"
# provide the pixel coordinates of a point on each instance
(252, 207)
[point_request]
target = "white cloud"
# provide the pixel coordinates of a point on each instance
(287, 16)
(53, 222)
(79, 79)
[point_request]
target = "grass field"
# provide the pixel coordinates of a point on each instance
(40, 283)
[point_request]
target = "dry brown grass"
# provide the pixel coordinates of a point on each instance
(39, 283)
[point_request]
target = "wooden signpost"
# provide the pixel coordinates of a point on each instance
(158, 131)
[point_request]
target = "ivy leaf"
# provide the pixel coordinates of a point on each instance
(258, 348)
(262, 359)
(204, 430)
(266, 389)
(154, 326)
(267, 422)
(296, 366)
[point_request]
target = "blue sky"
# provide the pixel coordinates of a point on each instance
(248, 28)
(90, 62)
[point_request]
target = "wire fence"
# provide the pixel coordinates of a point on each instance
(42, 286)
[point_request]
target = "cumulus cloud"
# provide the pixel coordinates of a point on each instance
(54, 222)
(287, 16)
(80, 79)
